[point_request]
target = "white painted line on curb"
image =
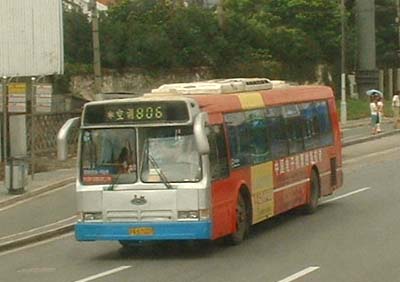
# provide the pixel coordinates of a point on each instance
(39, 228)
(300, 274)
(104, 273)
(346, 195)
(35, 197)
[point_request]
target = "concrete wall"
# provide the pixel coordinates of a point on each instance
(135, 82)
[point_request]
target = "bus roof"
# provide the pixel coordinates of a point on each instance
(258, 99)
(236, 94)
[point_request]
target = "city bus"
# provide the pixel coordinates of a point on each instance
(203, 160)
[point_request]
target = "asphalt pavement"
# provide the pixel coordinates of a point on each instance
(353, 132)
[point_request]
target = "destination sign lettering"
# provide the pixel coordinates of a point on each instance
(140, 112)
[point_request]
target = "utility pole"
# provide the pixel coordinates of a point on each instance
(220, 13)
(367, 75)
(398, 24)
(96, 46)
(343, 106)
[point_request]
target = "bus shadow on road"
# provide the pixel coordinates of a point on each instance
(169, 250)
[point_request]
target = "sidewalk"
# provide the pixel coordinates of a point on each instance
(42, 182)
(356, 131)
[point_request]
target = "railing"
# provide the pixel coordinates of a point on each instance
(46, 127)
(44, 145)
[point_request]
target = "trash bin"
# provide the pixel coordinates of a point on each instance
(16, 176)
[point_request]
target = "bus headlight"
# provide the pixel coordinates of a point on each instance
(87, 216)
(188, 215)
(194, 215)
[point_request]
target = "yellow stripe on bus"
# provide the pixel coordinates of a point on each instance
(262, 191)
(251, 100)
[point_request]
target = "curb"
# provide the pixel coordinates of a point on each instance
(35, 192)
(48, 234)
(369, 138)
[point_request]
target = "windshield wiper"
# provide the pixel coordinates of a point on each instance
(159, 171)
(114, 181)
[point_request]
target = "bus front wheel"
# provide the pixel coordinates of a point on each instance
(242, 222)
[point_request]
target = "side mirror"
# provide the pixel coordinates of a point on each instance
(62, 138)
(199, 129)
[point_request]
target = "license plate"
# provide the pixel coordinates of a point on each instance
(141, 231)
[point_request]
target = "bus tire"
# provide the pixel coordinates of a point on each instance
(242, 222)
(312, 204)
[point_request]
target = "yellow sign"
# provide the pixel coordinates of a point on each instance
(263, 194)
(17, 97)
(251, 100)
(17, 88)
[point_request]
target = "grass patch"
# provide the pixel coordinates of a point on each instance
(357, 109)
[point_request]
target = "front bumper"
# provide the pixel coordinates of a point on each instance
(95, 231)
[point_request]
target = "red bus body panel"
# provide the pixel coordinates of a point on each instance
(290, 175)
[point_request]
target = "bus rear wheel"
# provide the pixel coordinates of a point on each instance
(312, 204)
(242, 222)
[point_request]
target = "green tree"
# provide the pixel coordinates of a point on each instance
(77, 36)
(386, 34)
(299, 34)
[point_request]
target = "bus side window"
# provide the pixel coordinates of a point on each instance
(239, 139)
(311, 125)
(324, 123)
(276, 127)
(294, 126)
(218, 153)
(260, 148)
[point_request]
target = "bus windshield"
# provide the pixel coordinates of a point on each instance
(108, 156)
(169, 154)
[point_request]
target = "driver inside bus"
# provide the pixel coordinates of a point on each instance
(118, 150)
(126, 161)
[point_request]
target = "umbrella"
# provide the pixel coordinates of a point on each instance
(372, 92)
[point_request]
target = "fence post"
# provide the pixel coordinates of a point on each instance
(33, 96)
(390, 84)
(381, 81)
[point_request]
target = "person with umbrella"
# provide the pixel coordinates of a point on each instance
(376, 108)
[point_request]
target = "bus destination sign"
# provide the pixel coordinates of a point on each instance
(139, 112)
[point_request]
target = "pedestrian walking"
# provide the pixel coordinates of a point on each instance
(373, 106)
(395, 109)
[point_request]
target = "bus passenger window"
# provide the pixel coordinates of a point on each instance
(277, 130)
(259, 138)
(218, 154)
(294, 127)
(239, 139)
(324, 123)
(311, 126)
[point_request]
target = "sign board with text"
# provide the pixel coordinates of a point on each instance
(44, 97)
(17, 97)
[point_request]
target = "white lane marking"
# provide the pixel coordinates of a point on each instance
(346, 195)
(300, 274)
(356, 159)
(109, 272)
